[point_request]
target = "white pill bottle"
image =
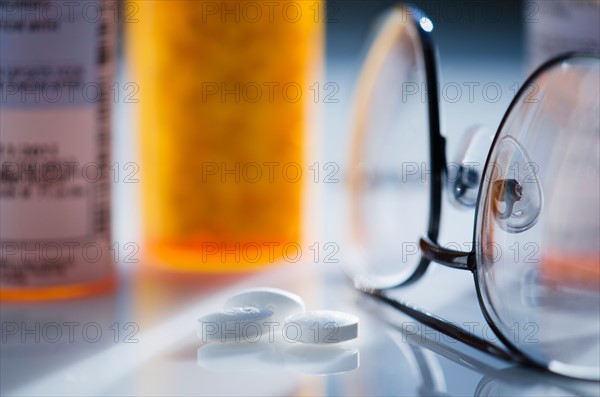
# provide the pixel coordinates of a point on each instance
(553, 27)
(56, 76)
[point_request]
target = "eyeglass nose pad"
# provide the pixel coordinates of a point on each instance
(507, 191)
(516, 192)
(464, 174)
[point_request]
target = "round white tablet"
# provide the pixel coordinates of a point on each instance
(320, 326)
(281, 303)
(236, 324)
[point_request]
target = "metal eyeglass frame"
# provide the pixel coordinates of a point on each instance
(431, 250)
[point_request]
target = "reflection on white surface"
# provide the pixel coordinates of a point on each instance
(322, 360)
(239, 357)
(110, 366)
(430, 354)
(264, 356)
(166, 359)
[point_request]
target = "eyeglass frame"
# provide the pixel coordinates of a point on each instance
(430, 249)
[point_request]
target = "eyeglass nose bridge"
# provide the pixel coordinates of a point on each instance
(434, 252)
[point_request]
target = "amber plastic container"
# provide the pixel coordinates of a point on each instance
(227, 100)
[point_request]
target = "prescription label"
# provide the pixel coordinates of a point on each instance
(56, 67)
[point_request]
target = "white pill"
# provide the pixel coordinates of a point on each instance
(236, 324)
(320, 326)
(281, 303)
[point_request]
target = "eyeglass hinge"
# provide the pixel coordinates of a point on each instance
(447, 257)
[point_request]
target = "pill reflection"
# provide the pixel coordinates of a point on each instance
(278, 356)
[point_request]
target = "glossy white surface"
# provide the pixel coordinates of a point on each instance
(157, 351)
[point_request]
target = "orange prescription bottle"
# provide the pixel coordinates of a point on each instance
(56, 67)
(226, 103)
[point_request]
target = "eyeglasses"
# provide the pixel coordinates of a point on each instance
(535, 253)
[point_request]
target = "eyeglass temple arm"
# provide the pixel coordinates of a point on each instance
(447, 257)
(447, 328)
